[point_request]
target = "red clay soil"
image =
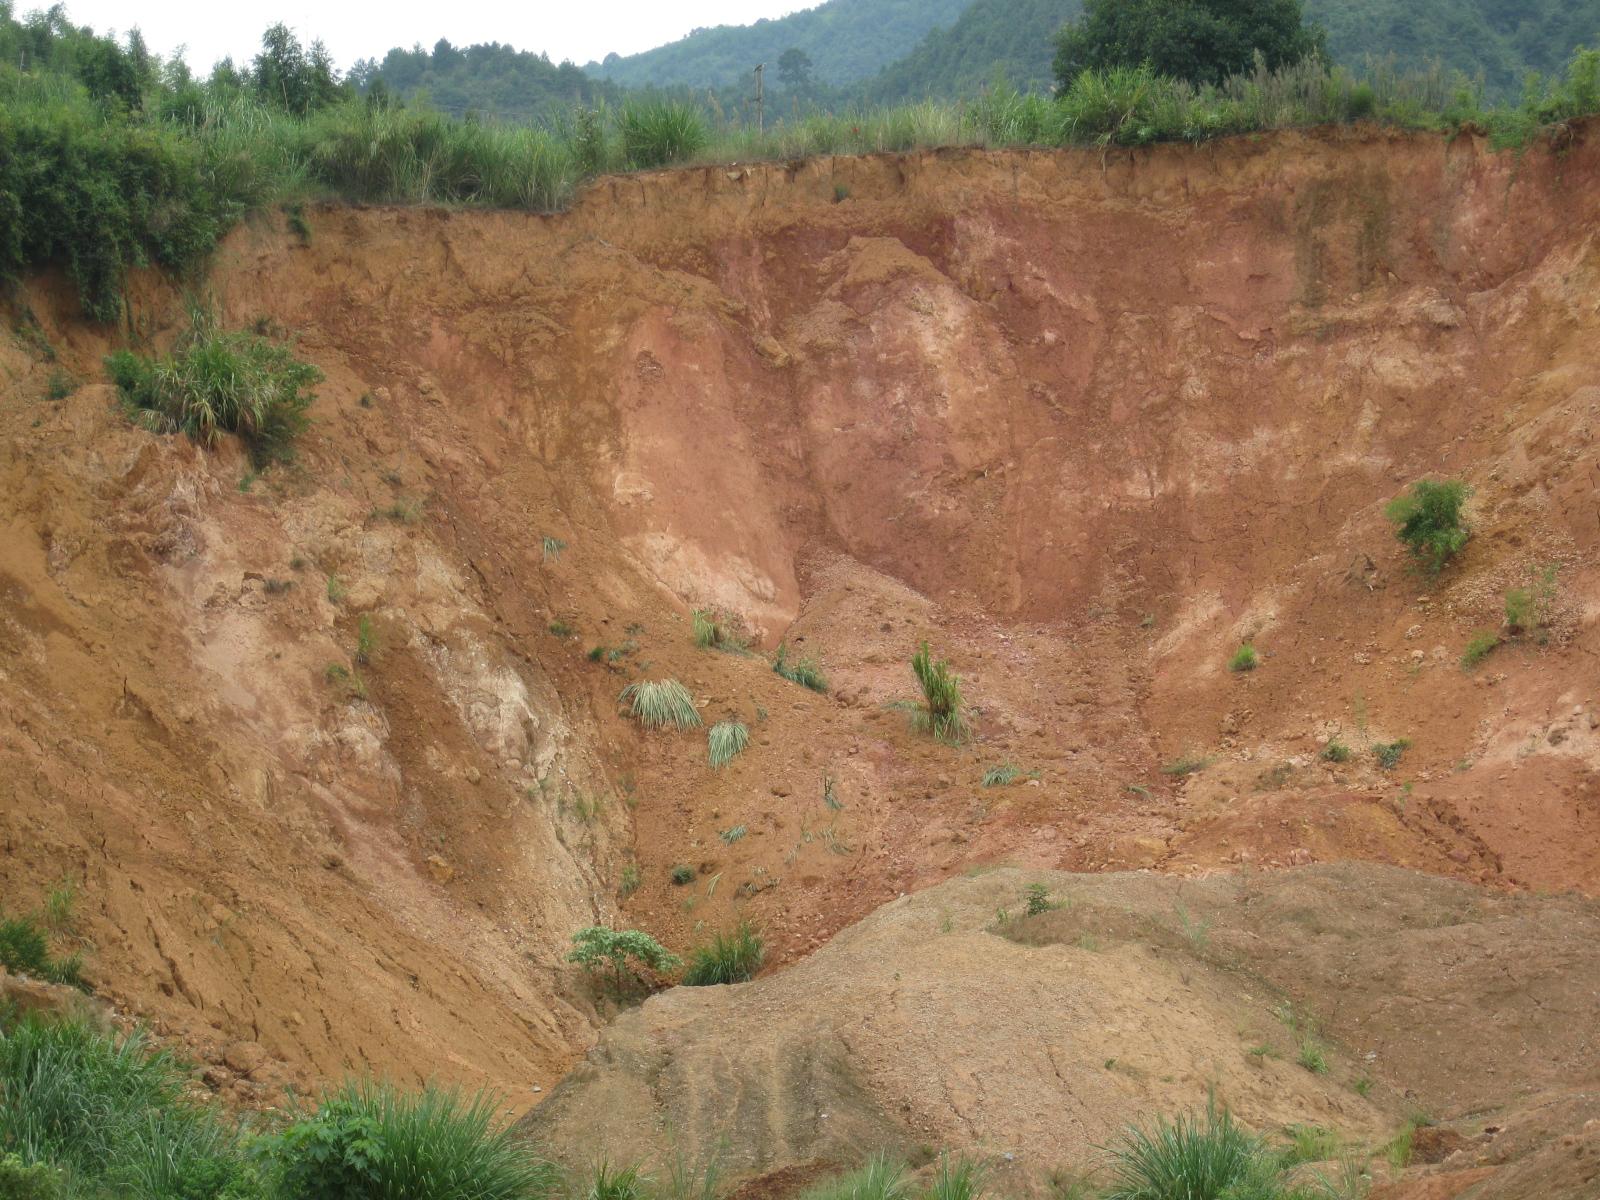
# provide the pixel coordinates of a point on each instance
(1083, 422)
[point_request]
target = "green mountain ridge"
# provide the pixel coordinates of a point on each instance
(847, 41)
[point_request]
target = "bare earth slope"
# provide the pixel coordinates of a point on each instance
(1031, 1040)
(1085, 422)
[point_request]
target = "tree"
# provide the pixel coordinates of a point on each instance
(794, 69)
(1202, 41)
(598, 946)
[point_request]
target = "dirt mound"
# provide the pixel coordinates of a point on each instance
(1031, 1039)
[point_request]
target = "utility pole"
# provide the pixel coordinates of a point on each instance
(761, 113)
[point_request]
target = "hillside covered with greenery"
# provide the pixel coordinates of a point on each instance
(1498, 41)
(846, 40)
(491, 79)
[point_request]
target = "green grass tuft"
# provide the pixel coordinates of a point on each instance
(1244, 659)
(717, 631)
(1002, 776)
(940, 711)
(1187, 765)
(1479, 648)
(682, 874)
(1189, 1158)
(1335, 752)
(725, 741)
(881, 1178)
(807, 672)
(728, 958)
(657, 704)
(215, 383)
(1389, 754)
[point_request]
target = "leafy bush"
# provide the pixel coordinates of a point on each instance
(682, 875)
(216, 383)
(369, 1140)
(25, 942)
(1479, 647)
(116, 1115)
(728, 958)
(1244, 659)
(658, 132)
(598, 946)
(1335, 752)
(724, 741)
(1389, 754)
(40, 1181)
(806, 671)
(940, 711)
(1037, 898)
(658, 704)
(1428, 521)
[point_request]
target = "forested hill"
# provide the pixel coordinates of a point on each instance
(846, 41)
(490, 79)
(1497, 40)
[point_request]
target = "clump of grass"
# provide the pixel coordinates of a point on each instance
(1001, 776)
(628, 884)
(1529, 609)
(59, 385)
(717, 631)
(1188, 1158)
(368, 1139)
(1479, 648)
(25, 949)
(656, 132)
(114, 1114)
(806, 671)
(553, 546)
(682, 875)
(1389, 754)
(1312, 1055)
(561, 629)
(366, 641)
(940, 712)
(724, 741)
(728, 958)
(657, 704)
(1427, 520)
(215, 383)
(336, 590)
(1335, 752)
(616, 1183)
(961, 1179)
(1188, 764)
(404, 511)
(881, 1178)
(732, 835)
(1310, 1143)
(1244, 659)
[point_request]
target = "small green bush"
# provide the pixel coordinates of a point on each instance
(598, 946)
(940, 711)
(1428, 521)
(806, 671)
(216, 383)
(1186, 765)
(1479, 648)
(1244, 659)
(20, 1181)
(1037, 897)
(729, 958)
(368, 1140)
(1335, 752)
(682, 875)
(25, 948)
(725, 741)
(1389, 754)
(1313, 1056)
(656, 704)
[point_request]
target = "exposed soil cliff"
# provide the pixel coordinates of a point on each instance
(1084, 422)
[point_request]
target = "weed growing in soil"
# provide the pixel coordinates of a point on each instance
(598, 947)
(25, 943)
(724, 741)
(940, 711)
(1244, 659)
(961, 1179)
(620, 1183)
(1313, 1056)
(716, 631)
(729, 958)
(1335, 752)
(1187, 765)
(806, 671)
(215, 383)
(1389, 754)
(1479, 648)
(553, 546)
(1037, 898)
(1001, 776)
(682, 874)
(656, 704)
(1428, 521)
(881, 1178)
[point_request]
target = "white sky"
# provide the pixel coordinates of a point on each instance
(576, 30)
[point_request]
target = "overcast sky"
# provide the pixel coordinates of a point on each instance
(566, 29)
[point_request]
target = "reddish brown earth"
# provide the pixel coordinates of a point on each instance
(1083, 422)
